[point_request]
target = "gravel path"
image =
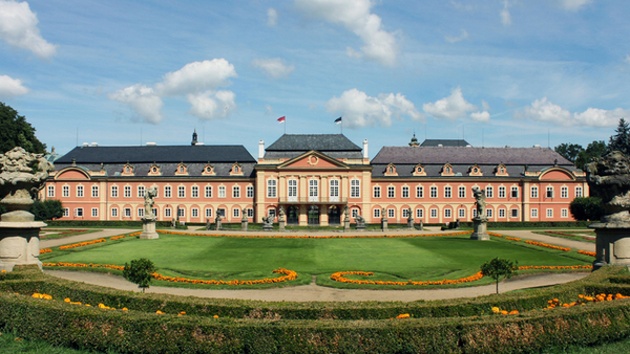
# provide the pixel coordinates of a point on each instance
(313, 292)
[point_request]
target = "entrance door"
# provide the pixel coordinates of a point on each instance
(334, 215)
(313, 215)
(293, 214)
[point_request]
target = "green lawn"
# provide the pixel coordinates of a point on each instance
(422, 258)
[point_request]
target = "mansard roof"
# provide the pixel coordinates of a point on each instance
(318, 142)
(158, 154)
(444, 142)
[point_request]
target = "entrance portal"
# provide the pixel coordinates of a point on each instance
(313, 215)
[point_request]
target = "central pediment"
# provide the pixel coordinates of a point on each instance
(313, 160)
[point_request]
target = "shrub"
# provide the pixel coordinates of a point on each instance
(139, 272)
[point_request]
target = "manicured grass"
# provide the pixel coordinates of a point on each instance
(55, 233)
(421, 258)
(578, 235)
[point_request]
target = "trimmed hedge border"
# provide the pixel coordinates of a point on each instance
(451, 326)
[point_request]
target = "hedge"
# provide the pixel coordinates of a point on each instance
(452, 326)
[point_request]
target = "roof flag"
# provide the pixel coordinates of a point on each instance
(282, 119)
(338, 120)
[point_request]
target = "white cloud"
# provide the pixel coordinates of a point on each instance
(481, 116)
(451, 107)
(454, 39)
(275, 67)
(197, 76)
(360, 110)
(506, 17)
(272, 17)
(355, 16)
(574, 5)
(10, 87)
(141, 99)
(197, 81)
(18, 27)
(545, 111)
(212, 105)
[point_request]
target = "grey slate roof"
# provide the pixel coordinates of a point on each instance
(167, 169)
(444, 142)
(158, 154)
(319, 142)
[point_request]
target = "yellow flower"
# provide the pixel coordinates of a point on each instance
(403, 315)
(159, 312)
(215, 316)
(496, 309)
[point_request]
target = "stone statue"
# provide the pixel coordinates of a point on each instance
(281, 214)
(360, 220)
(480, 201)
(609, 179)
(22, 175)
(148, 203)
(268, 220)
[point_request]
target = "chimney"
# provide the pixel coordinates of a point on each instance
(365, 148)
(261, 149)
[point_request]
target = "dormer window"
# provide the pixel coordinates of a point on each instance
(447, 170)
(475, 171)
(154, 170)
(208, 170)
(182, 169)
(390, 170)
(236, 170)
(501, 170)
(127, 170)
(418, 170)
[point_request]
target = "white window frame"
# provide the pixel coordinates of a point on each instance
(80, 191)
(141, 191)
(313, 190)
(194, 212)
(272, 188)
(461, 192)
(376, 192)
(419, 192)
(250, 191)
(65, 191)
(127, 191)
(51, 191)
(534, 192)
(564, 192)
(579, 192)
(355, 188)
(534, 213)
(168, 191)
(405, 192)
(207, 192)
(501, 191)
(236, 192)
(391, 192)
(181, 191)
(333, 190)
(489, 192)
(433, 192)
(222, 192)
(94, 212)
(194, 191)
(514, 192)
(448, 192)
(292, 190)
(114, 192)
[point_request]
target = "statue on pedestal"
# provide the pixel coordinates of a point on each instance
(148, 220)
(480, 221)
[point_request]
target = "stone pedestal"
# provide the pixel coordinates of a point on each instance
(19, 241)
(148, 230)
(384, 224)
(282, 225)
(612, 244)
(268, 227)
(244, 224)
(346, 224)
(410, 224)
(480, 230)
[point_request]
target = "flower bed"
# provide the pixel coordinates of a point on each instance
(186, 233)
(341, 277)
(546, 245)
(81, 244)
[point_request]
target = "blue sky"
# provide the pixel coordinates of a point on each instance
(494, 72)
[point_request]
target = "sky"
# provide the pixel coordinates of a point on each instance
(493, 72)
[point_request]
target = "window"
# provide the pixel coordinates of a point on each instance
(194, 191)
(114, 192)
(461, 192)
(391, 213)
(564, 213)
(221, 191)
(334, 189)
(355, 188)
(405, 213)
(578, 192)
(271, 188)
(447, 213)
(114, 212)
(140, 212)
(419, 213)
(313, 189)
(236, 212)
(208, 212)
(194, 212)
(354, 212)
(127, 212)
(94, 212)
(502, 213)
(141, 191)
(208, 192)
(534, 213)
(391, 192)
(550, 213)
(549, 192)
(66, 212)
(167, 191)
(80, 191)
(94, 191)
(78, 212)
(221, 212)
(377, 192)
(448, 192)
(167, 212)
(534, 192)
(250, 192)
(489, 213)
(501, 191)
(127, 191)
(181, 212)
(514, 192)
(461, 213)
(514, 213)
(489, 192)
(292, 190)
(433, 213)
(419, 192)
(405, 192)
(181, 192)
(564, 192)
(250, 212)
(154, 212)
(236, 192)
(65, 191)
(51, 191)
(377, 213)
(433, 192)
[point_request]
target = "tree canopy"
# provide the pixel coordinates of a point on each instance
(621, 140)
(16, 131)
(569, 151)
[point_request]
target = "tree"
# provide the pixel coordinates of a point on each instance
(139, 272)
(16, 131)
(498, 269)
(595, 149)
(47, 209)
(621, 140)
(569, 151)
(587, 208)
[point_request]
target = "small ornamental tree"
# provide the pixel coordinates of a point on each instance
(139, 272)
(499, 269)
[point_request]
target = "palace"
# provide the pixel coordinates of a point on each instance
(314, 179)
